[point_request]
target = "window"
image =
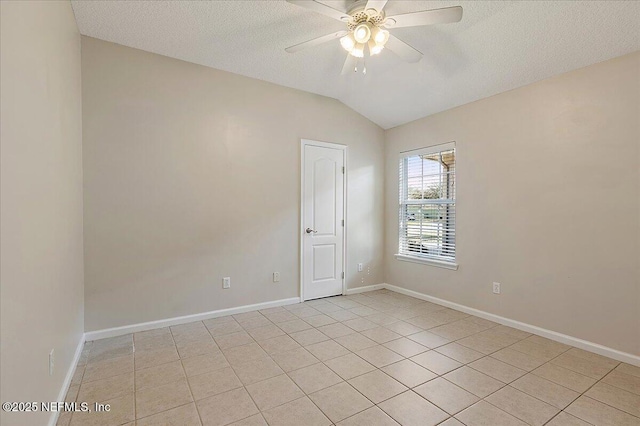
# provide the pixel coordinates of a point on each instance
(428, 206)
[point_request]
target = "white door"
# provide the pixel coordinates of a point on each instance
(322, 219)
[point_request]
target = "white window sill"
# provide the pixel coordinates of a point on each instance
(431, 262)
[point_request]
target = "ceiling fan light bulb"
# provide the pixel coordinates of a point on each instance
(358, 50)
(375, 33)
(362, 33)
(348, 42)
(381, 36)
(375, 48)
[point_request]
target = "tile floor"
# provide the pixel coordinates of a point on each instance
(377, 358)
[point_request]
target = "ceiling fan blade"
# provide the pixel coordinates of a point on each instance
(316, 41)
(321, 9)
(375, 4)
(349, 64)
(426, 17)
(402, 49)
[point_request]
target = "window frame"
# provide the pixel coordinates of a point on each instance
(402, 190)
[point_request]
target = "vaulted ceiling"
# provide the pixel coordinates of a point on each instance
(498, 46)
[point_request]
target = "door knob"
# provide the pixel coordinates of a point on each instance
(309, 231)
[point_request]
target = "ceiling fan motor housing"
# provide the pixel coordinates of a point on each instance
(372, 16)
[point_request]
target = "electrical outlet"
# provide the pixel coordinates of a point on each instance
(276, 277)
(51, 361)
(359, 267)
(496, 288)
(226, 282)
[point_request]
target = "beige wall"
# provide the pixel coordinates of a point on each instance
(41, 294)
(548, 204)
(192, 174)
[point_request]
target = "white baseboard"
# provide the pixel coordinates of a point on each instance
(365, 288)
(558, 337)
(53, 418)
(549, 334)
(144, 326)
(553, 335)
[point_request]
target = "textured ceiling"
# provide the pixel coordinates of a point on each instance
(498, 46)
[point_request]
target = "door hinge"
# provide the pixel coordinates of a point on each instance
(342, 169)
(342, 222)
(343, 275)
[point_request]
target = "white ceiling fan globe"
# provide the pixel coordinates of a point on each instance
(362, 33)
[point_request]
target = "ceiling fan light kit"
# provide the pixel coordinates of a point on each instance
(355, 40)
(364, 29)
(366, 23)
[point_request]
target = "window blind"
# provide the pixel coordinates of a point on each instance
(428, 203)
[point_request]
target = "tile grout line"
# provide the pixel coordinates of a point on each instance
(235, 373)
(531, 372)
(528, 372)
(601, 402)
(378, 344)
(222, 353)
(507, 384)
(485, 356)
(135, 399)
(244, 387)
(185, 377)
(306, 395)
(81, 378)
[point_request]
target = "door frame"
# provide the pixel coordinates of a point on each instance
(343, 148)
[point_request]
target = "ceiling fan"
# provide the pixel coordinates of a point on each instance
(367, 28)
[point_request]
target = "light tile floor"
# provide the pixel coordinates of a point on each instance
(377, 358)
